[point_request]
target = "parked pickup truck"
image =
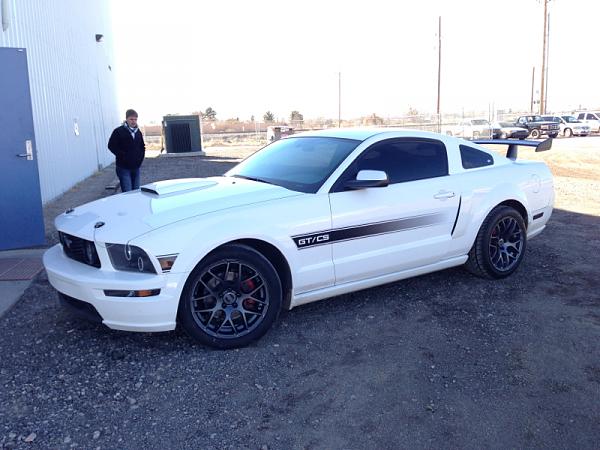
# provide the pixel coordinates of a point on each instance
(537, 126)
(470, 129)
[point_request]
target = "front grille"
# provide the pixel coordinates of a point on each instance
(79, 249)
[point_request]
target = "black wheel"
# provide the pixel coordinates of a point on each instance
(231, 298)
(535, 133)
(500, 244)
(568, 132)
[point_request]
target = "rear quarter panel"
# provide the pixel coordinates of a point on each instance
(529, 183)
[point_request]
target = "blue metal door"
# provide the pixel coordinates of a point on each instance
(21, 214)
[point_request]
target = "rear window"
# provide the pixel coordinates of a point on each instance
(473, 158)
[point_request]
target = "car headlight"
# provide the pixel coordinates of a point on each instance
(130, 258)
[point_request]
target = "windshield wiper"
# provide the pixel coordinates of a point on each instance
(260, 180)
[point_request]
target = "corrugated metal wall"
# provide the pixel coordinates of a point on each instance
(72, 84)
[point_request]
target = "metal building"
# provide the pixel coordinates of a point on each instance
(58, 106)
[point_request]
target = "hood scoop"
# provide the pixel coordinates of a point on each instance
(163, 188)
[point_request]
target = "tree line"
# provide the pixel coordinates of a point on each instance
(210, 115)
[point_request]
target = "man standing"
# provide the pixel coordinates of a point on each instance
(127, 144)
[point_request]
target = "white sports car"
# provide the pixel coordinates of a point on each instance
(308, 217)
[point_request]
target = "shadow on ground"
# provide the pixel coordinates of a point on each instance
(445, 360)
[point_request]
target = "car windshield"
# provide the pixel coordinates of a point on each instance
(297, 163)
(550, 119)
(480, 122)
(570, 119)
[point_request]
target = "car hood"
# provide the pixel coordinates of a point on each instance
(120, 218)
(543, 122)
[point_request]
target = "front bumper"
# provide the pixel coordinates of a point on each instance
(548, 132)
(580, 132)
(86, 283)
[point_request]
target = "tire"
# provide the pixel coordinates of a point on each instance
(568, 132)
(500, 244)
(535, 134)
(222, 309)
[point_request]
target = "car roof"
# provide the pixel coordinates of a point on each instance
(363, 133)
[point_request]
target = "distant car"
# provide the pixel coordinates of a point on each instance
(591, 118)
(538, 127)
(470, 129)
(508, 130)
(307, 217)
(570, 126)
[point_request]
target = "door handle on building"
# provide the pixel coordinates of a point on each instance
(28, 150)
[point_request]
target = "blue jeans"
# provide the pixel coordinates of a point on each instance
(129, 178)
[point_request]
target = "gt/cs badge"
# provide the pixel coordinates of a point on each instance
(307, 241)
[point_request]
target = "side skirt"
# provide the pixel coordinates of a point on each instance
(312, 296)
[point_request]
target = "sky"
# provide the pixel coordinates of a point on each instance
(243, 58)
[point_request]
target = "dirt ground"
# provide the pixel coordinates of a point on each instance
(444, 360)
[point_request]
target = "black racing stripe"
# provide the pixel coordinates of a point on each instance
(371, 229)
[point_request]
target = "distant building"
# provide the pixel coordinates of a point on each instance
(57, 105)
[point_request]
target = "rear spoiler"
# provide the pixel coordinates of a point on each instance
(511, 153)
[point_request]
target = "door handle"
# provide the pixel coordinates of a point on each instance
(28, 151)
(443, 195)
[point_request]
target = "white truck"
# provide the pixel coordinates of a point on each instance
(471, 129)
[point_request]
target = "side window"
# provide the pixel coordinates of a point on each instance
(473, 158)
(581, 116)
(590, 117)
(405, 160)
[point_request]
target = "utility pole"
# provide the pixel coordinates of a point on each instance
(547, 60)
(532, 85)
(339, 99)
(439, 72)
(542, 91)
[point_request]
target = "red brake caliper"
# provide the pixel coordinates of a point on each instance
(247, 287)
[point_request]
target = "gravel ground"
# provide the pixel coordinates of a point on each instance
(444, 360)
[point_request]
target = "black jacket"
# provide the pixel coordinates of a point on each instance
(129, 152)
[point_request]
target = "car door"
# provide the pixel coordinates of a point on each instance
(407, 224)
(593, 121)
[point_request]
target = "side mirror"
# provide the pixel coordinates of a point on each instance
(368, 179)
